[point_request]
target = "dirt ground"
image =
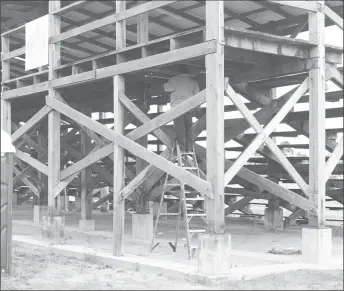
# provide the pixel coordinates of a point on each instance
(34, 270)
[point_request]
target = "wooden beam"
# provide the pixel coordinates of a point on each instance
(87, 161)
(86, 172)
(118, 171)
(335, 18)
(142, 117)
(117, 17)
(161, 59)
(32, 162)
(54, 117)
(265, 184)
(215, 117)
(28, 183)
(317, 106)
(168, 116)
(269, 142)
(12, 54)
(263, 135)
(133, 147)
(25, 91)
(31, 122)
(238, 205)
(5, 71)
(73, 6)
(334, 159)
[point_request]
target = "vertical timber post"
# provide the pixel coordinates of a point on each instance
(118, 176)
(214, 245)
(6, 118)
(53, 223)
(317, 240)
(6, 180)
(86, 223)
(142, 206)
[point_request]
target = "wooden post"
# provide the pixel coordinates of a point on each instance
(215, 117)
(317, 117)
(118, 176)
(142, 205)
(6, 212)
(54, 117)
(85, 175)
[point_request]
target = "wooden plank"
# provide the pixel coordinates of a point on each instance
(262, 136)
(317, 105)
(87, 161)
(333, 160)
(31, 122)
(75, 79)
(117, 17)
(269, 142)
(215, 117)
(305, 5)
(168, 116)
(298, 29)
(32, 162)
(336, 19)
(12, 54)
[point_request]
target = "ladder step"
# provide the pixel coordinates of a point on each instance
(196, 214)
(168, 214)
(196, 230)
(195, 199)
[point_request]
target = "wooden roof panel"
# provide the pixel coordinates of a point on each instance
(183, 4)
(158, 29)
(97, 7)
(242, 6)
(237, 24)
(265, 16)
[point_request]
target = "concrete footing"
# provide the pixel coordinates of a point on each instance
(142, 226)
(156, 208)
(38, 212)
(214, 254)
(273, 219)
(316, 245)
(53, 228)
(87, 225)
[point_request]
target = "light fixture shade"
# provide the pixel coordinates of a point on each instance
(6, 143)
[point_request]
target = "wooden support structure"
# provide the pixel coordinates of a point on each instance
(126, 77)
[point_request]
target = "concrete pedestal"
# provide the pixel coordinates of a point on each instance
(14, 198)
(87, 225)
(142, 226)
(77, 204)
(316, 245)
(156, 208)
(38, 212)
(214, 254)
(273, 219)
(53, 228)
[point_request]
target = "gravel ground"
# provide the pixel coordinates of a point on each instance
(34, 270)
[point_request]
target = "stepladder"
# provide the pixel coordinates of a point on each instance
(188, 202)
